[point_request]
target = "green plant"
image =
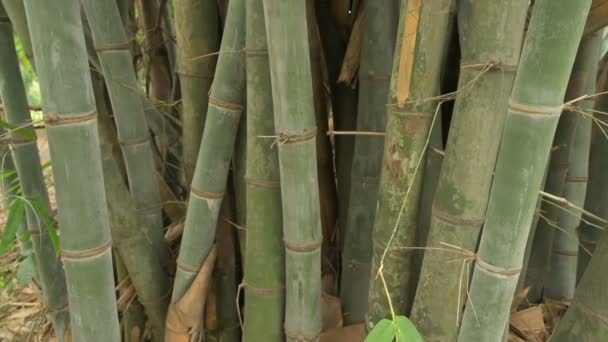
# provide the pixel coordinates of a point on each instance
(399, 329)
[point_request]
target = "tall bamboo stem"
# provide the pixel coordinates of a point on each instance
(415, 81)
(265, 263)
(215, 152)
(197, 27)
(294, 116)
(110, 43)
(542, 247)
(70, 114)
(526, 142)
(487, 71)
(379, 33)
(561, 274)
(29, 170)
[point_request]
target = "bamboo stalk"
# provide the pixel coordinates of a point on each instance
(197, 27)
(16, 12)
(217, 145)
(526, 143)
(556, 175)
(27, 164)
(109, 41)
(379, 32)
(415, 81)
(487, 71)
(70, 116)
(155, 51)
(561, 276)
(265, 263)
(294, 116)
(597, 191)
(585, 318)
(130, 236)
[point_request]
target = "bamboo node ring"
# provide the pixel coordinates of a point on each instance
(289, 137)
(311, 247)
(299, 337)
(497, 270)
(231, 107)
(53, 119)
(205, 194)
(52, 310)
(136, 141)
(186, 268)
(75, 255)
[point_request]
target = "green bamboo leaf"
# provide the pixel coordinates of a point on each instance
(13, 222)
(7, 174)
(384, 331)
(25, 236)
(49, 225)
(24, 133)
(406, 331)
(26, 272)
(46, 165)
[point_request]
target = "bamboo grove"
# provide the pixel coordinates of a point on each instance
(320, 170)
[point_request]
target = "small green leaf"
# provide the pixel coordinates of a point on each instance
(49, 225)
(46, 165)
(382, 332)
(26, 272)
(8, 174)
(25, 236)
(13, 223)
(23, 132)
(406, 331)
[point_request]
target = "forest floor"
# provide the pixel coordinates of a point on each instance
(22, 314)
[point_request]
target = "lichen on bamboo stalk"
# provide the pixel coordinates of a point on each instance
(490, 35)
(27, 164)
(546, 63)
(216, 148)
(70, 116)
(560, 281)
(423, 27)
(294, 116)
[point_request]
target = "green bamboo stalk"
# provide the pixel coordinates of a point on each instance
(265, 263)
(217, 145)
(155, 51)
(69, 108)
(561, 277)
(379, 32)
(16, 12)
(294, 117)
(334, 39)
(226, 274)
(597, 188)
(409, 116)
(133, 320)
(542, 247)
(197, 28)
(130, 237)
(29, 170)
(585, 318)
(526, 142)
(110, 43)
(490, 34)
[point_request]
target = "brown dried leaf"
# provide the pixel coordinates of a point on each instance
(351, 333)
